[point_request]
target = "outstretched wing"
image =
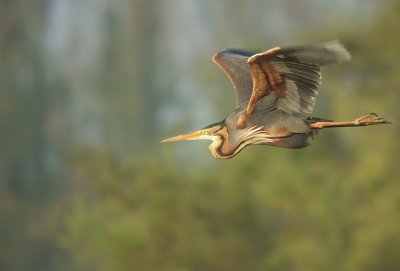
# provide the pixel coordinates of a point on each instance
(234, 63)
(288, 78)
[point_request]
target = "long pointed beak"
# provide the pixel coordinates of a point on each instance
(189, 136)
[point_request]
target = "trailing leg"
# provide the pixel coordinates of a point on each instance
(370, 119)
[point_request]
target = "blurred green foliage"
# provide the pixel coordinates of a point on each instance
(119, 200)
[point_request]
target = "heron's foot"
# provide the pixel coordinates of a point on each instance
(370, 119)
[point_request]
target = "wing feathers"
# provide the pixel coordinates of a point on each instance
(291, 74)
(309, 72)
(319, 54)
(234, 64)
(298, 68)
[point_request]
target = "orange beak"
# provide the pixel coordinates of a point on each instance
(189, 136)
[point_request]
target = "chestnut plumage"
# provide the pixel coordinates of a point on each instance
(275, 93)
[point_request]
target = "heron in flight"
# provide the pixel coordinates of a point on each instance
(275, 94)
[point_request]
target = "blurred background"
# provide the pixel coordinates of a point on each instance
(89, 87)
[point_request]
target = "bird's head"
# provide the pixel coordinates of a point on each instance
(216, 132)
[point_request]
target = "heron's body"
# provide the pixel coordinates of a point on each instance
(275, 93)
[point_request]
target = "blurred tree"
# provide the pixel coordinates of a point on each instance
(104, 94)
(331, 207)
(23, 90)
(29, 168)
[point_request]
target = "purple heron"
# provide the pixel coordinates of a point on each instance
(275, 93)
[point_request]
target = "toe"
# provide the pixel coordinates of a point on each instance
(370, 119)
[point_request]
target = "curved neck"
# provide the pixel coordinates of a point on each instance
(222, 148)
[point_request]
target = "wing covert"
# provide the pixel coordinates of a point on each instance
(290, 76)
(234, 64)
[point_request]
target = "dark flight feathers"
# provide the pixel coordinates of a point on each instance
(285, 78)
